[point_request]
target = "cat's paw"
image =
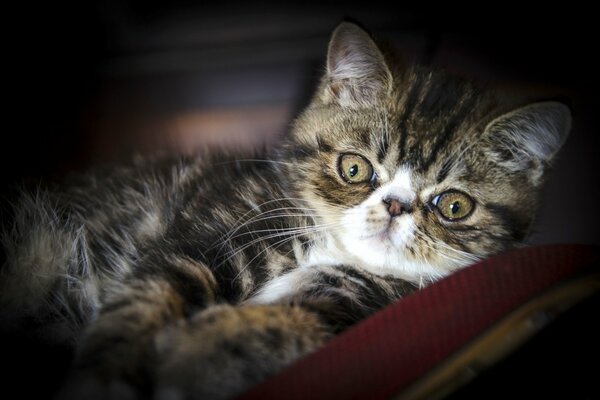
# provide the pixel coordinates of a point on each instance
(224, 350)
(115, 352)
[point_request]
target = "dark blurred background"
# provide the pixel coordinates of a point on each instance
(95, 82)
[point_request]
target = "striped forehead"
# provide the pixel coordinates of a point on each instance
(432, 113)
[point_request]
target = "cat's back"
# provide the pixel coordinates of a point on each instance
(64, 244)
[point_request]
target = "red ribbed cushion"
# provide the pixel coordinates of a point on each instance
(385, 353)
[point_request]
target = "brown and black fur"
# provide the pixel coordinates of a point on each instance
(202, 276)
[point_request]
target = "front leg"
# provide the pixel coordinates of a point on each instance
(224, 350)
(119, 346)
(341, 295)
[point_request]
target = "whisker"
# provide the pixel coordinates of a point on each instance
(276, 245)
(242, 221)
(289, 234)
(285, 229)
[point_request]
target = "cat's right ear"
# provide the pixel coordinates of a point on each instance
(357, 74)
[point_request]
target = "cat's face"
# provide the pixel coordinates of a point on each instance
(417, 173)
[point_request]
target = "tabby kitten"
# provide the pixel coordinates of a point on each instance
(199, 278)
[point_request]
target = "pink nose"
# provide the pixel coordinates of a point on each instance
(396, 207)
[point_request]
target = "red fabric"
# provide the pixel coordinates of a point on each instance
(385, 353)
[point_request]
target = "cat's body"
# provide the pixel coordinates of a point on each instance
(204, 275)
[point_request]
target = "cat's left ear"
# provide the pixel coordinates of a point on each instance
(527, 139)
(357, 73)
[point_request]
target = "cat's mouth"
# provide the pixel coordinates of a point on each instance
(390, 233)
(396, 232)
(387, 230)
(373, 228)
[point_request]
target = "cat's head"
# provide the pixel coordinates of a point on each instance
(414, 171)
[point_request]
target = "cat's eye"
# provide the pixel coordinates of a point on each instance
(355, 169)
(453, 205)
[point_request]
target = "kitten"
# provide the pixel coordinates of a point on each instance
(203, 276)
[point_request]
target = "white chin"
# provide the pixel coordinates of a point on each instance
(383, 250)
(375, 251)
(382, 257)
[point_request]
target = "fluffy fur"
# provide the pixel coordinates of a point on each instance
(202, 276)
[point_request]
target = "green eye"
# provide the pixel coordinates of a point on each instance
(355, 169)
(453, 205)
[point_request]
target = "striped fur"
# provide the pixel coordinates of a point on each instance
(200, 277)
